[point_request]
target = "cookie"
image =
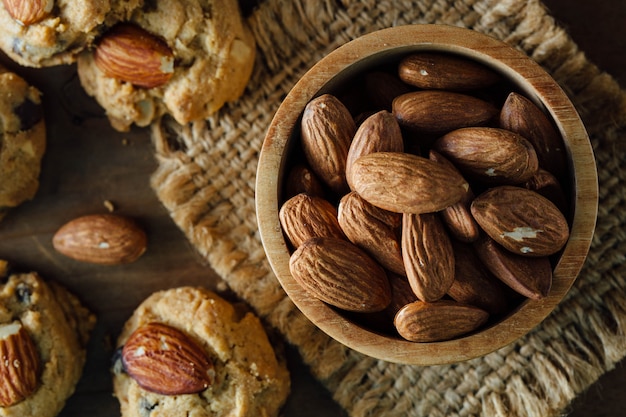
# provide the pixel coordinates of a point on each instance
(210, 58)
(53, 32)
(44, 330)
(240, 372)
(22, 140)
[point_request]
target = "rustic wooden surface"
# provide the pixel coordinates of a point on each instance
(88, 163)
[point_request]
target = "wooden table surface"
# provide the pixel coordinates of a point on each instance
(87, 163)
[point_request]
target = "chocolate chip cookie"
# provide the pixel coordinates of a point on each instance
(22, 140)
(187, 351)
(44, 330)
(185, 58)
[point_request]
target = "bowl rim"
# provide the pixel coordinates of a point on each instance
(525, 73)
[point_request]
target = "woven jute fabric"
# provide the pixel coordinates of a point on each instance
(206, 179)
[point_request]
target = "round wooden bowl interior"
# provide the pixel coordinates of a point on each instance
(388, 46)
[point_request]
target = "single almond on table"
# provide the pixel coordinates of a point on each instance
(489, 154)
(303, 217)
(406, 183)
(337, 272)
(428, 70)
(27, 12)
(164, 360)
(522, 116)
(380, 132)
(530, 277)
(361, 222)
(129, 53)
(438, 112)
(327, 129)
(438, 321)
(107, 239)
(20, 365)
(521, 220)
(428, 255)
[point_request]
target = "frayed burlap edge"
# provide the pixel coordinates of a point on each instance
(206, 179)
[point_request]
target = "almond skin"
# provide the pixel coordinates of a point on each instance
(28, 12)
(530, 277)
(327, 129)
(380, 132)
(438, 112)
(428, 255)
(106, 239)
(457, 217)
(20, 366)
(489, 154)
(438, 321)
(406, 183)
(428, 70)
(474, 284)
(521, 220)
(303, 217)
(522, 116)
(129, 53)
(361, 222)
(164, 360)
(301, 179)
(339, 273)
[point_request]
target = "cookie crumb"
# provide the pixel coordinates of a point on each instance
(109, 206)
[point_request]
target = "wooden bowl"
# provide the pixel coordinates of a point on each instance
(384, 47)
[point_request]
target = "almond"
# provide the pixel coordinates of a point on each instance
(429, 70)
(20, 365)
(438, 321)
(382, 88)
(27, 12)
(327, 129)
(129, 53)
(548, 186)
(523, 117)
(380, 132)
(369, 228)
(406, 183)
(521, 220)
(530, 277)
(301, 179)
(438, 112)
(401, 294)
(337, 272)
(164, 360)
(457, 217)
(107, 239)
(489, 154)
(303, 217)
(428, 256)
(474, 284)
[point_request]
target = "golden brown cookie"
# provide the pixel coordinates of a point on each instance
(22, 140)
(200, 52)
(44, 330)
(52, 32)
(235, 369)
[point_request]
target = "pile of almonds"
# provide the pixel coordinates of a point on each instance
(428, 200)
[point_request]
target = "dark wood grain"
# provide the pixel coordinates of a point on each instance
(87, 163)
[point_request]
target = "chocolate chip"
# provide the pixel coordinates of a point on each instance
(117, 365)
(23, 293)
(146, 407)
(29, 113)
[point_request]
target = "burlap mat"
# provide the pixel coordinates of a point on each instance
(206, 179)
